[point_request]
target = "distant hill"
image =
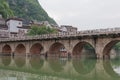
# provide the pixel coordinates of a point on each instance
(30, 10)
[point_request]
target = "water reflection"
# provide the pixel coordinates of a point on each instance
(57, 64)
(37, 68)
(116, 65)
(84, 66)
(6, 60)
(110, 69)
(20, 60)
(36, 62)
(115, 61)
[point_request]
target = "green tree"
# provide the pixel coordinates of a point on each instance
(29, 10)
(87, 46)
(5, 9)
(117, 46)
(39, 30)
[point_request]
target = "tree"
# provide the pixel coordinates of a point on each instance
(117, 46)
(5, 9)
(39, 30)
(29, 10)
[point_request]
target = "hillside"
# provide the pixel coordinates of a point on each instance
(5, 10)
(29, 9)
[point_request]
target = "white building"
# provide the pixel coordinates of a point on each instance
(15, 27)
(41, 23)
(67, 28)
(14, 24)
(64, 29)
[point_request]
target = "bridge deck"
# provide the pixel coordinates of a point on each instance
(96, 32)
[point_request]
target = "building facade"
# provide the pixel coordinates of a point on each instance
(67, 28)
(15, 27)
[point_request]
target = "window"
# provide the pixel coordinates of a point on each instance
(19, 23)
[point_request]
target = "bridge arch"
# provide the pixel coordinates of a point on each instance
(108, 47)
(20, 49)
(36, 48)
(80, 46)
(57, 49)
(6, 49)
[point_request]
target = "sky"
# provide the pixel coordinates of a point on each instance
(84, 14)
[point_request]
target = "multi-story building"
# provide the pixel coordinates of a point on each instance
(15, 27)
(41, 23)
(67, 28)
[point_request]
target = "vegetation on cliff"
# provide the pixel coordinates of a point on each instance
(27, 9)
(5, 10)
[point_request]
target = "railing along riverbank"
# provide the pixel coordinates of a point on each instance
(66, 34)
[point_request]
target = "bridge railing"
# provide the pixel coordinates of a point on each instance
(67, 34)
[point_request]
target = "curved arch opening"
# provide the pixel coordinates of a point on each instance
(112, 50)
(6, 49)
(20, 50)
(58, 50)
(84, 50)
(36, 49)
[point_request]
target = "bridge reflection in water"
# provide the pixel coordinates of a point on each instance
(55, 68)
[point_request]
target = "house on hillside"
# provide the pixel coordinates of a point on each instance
(67, 28)
(41, 23)
(16, 28)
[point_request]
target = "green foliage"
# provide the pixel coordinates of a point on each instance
(117, 46)
(29, 9)
(39, 30)
(87, 46)
(5, 9)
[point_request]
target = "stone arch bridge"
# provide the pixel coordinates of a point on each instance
(101, 40)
